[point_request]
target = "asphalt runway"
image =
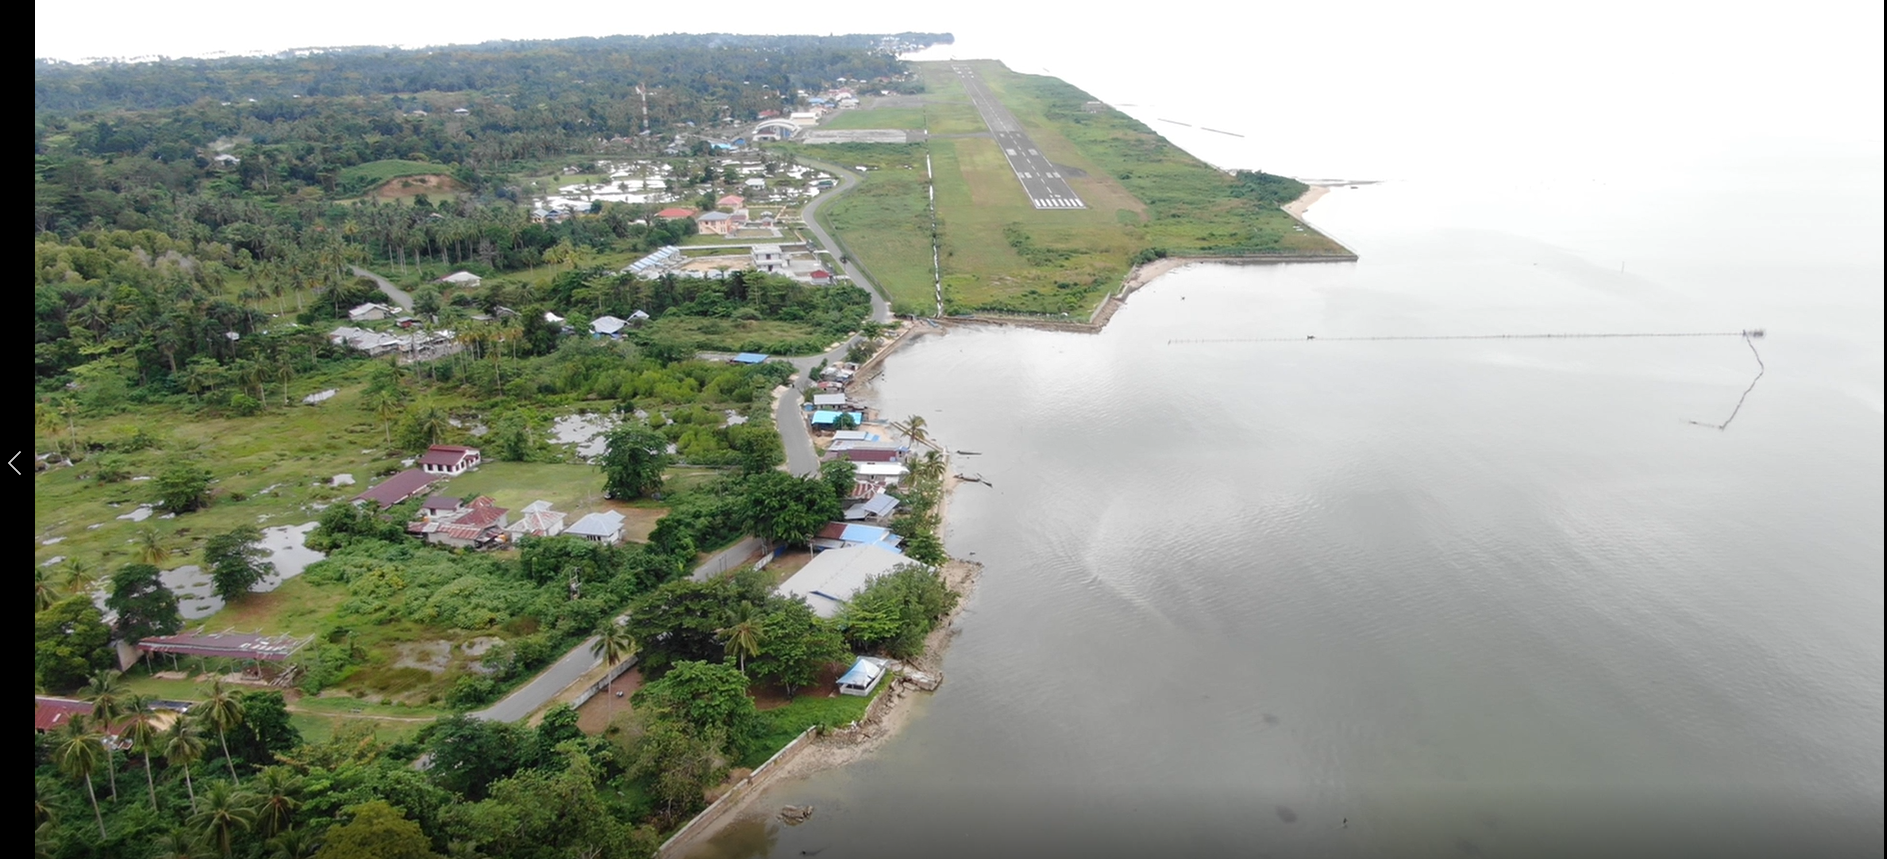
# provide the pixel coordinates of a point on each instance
(1040, 179)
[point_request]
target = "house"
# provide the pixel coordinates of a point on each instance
(889, 472)
(604, 527)
(749, 358)
(370, 312)
(863, 676)
(552, 318)
(855, 435)
(462, 278)
(224, 159)
(829, 401)
(838, 535)
(538, 520)
(869, 454)
(49, 714)
(638, 317)
(439, 505)
(675, 214)
(731, 201)
(755, 182)
(400, 487)
(880, 506)
(474, 526)
(607, 326)
(371, 342)
(767, 254)
(821, 277)
(540, 215)
(823, 419)
(449, 459)
(715, 223)
(832, 577)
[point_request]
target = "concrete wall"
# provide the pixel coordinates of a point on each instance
(608, 678)
(729, 558)
(730, 800)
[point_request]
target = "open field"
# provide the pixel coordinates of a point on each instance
(1001, 253)
(361, 177)
(891, 117)
(772, 336)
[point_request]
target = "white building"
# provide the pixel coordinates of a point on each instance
(604, 527)
(833, 576)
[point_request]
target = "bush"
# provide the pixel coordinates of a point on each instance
(470, 691)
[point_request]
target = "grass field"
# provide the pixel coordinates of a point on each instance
(809, 708)
(1001, 253)
(772, 336)
(361, 177)
(890, 117)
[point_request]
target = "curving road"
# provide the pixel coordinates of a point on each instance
(880, 308)
(400, 297)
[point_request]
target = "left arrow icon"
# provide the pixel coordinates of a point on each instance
(16, 469)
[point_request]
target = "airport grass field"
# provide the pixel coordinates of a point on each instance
(1000, 253)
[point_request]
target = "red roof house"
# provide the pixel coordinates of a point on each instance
(449, 459)
(731, 201)
(51, 713)
(869, 455)
(675, 214)
(821, 277)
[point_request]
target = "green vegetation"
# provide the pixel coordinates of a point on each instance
(999, 253)
(365, 177)
(782, 724)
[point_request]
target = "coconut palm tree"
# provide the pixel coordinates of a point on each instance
(913, 428)
(742, 636)
(385, 405)
(151, 549)
(78, 575)
(78, 752)
(225, 811)
(931, 466)
(278, 794)
(106, 693)
(180, 844)
(141, 730)
(182, 745)
(223, 711)
(293, 844)
(44, 594)
(613, 644)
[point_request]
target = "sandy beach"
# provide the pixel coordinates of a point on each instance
(1296, 208)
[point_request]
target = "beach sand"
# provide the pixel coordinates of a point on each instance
(1299, 206)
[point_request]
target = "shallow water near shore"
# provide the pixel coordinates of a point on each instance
(1413, 598)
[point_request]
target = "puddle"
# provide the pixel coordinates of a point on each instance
(734, 418)
(318, 396)
(584, 431)
(52, 542)
(140, 477)
(196, 594)
(342, 480)
(53, 560)
(142, 513)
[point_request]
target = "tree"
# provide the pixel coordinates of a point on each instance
(377, 831)
(613, 644)
(385, 404)
(914, 430)
(235, 561)
(183, 487)
(151, 548)
(105, 692)
(182, 745)
(678, 621)
(781, 508)
(894, 612)
(181, 844)
(798, 645)
(742, 636)
(840, 475)
(633, 463)
(44, 594)
(278, 794)
(144, 606)
(142, 733)
(469, 754)
(265, 730)
(510, 438)
(293, 844)
(222, 710)
(78, 752)
(710, 697)
(924, 547)
(224, 812)
(70, 642)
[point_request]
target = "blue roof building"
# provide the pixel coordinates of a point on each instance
(826, 418)
(749, 358)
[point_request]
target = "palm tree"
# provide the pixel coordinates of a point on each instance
(182, 746)
(78, 575)
(44, 594)
(223, 711)
(142, 733)
(180, 844)
(742, 637)
(385, 405)
(151, 549)
(78, 753)
(614, 644)
(293, 844)
(277, 795)
(224, 812)
(913, 428)
(106, 692)
(931, 466)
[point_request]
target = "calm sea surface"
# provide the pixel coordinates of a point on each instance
(1477, 598)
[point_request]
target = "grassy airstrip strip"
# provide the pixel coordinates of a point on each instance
(1000, 253)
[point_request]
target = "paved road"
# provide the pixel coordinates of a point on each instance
(880, 308)
(399, 296)
(1040, 178)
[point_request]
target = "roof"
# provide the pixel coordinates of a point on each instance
(833, 576)
(749, 358)
(878, 469)
(828, 399)
(864, 672)
(604, 524)
(819, 273)
(447, 454)
(461, 277)
(674, 213)
(849, 533)
(880, 504)
(607, 324)
(440, 502)
(731, 200)
(539, 506)
(823, 416)
(482, 513)
(398, 488)
(854, 435)
(869, 454)
(767, 249)
(537, 522)
(714, 216)
(50, 713)
(233, 645)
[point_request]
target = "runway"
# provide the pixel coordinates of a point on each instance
(1040, 178)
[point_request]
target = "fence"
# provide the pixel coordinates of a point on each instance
(729, 558)
(609, 677)
(754, 781)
